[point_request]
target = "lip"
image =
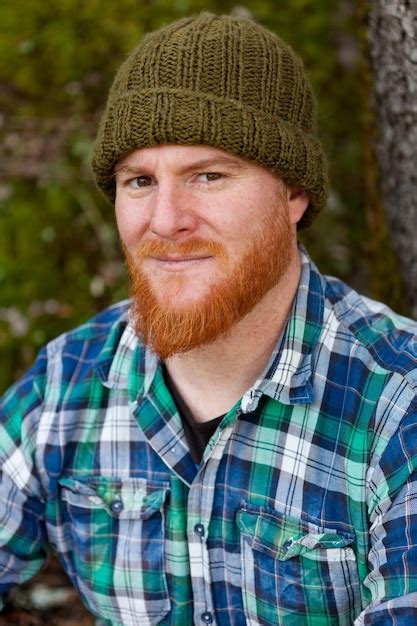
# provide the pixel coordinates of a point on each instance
(179, 262)
(181, 259)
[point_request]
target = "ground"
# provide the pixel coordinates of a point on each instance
(48, 598)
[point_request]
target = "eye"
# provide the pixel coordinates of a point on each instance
(208, 177)
(140, 181)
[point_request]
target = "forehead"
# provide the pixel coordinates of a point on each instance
(183, 156)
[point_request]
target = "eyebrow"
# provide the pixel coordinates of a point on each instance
(211, 162)
(127, 169)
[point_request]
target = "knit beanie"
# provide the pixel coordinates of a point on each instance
(221, 81)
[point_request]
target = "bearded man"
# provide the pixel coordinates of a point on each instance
(237, 444)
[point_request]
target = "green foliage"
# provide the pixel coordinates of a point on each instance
(59, 254)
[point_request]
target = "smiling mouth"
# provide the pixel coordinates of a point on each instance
(181, 259)
(179, 262)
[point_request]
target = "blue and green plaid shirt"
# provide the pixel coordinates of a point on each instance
(302, 512)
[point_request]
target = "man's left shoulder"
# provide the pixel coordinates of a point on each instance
(390, 339)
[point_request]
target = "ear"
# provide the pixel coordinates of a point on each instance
(297, 203)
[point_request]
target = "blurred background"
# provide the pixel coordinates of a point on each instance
(60, 259)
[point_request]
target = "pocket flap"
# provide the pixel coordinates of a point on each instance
(315, 541)
(121, 497)
(284, 537)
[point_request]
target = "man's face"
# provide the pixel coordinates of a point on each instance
(206, 235)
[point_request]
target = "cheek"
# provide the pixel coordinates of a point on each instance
(130, 223)
(242, 225)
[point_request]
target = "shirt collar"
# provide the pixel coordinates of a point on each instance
(125, 363)
(287, 378)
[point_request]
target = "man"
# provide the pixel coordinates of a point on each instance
(238, 444)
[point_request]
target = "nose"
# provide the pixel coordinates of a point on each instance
(172, 212)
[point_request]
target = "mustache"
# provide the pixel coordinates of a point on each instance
(151, 248)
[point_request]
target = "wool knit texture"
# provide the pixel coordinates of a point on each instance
(222, 81)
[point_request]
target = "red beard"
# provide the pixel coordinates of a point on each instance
(168, 329)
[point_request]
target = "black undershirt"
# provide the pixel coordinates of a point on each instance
(198, 434)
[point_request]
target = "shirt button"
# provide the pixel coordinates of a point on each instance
(116, 506)
(286, 546)
(207, 617)
(199, 530)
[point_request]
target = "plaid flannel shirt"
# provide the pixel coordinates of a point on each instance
(302, 512)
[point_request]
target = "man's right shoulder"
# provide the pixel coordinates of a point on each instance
(72, 354)
(94, 331)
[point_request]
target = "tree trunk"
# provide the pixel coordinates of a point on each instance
(393, 49)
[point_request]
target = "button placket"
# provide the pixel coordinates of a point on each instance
(200, 507)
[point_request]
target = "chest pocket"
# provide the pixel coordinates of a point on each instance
(295, 573)
(116, 529)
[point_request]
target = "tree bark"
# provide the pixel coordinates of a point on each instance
(393, 51)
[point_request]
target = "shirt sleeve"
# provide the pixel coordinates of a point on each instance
(392, 559)
(23, 542)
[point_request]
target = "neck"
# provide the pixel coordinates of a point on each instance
(213, 377)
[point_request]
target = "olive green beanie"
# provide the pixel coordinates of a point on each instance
(223, 81)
